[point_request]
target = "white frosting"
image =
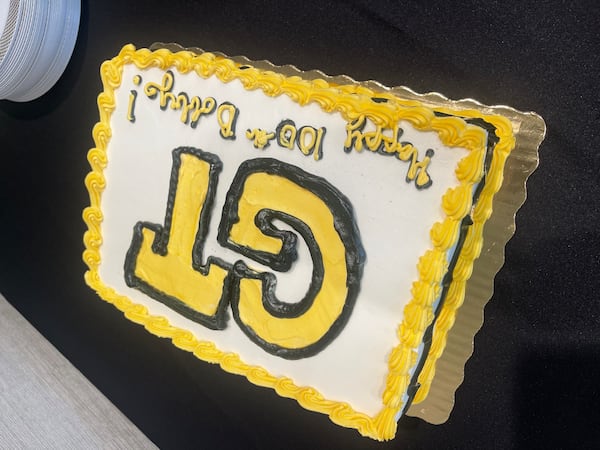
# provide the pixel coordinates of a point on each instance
(394, 219)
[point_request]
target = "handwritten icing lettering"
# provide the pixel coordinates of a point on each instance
(286, 133)
(162, 90)
(131, 106)
(191, 108)
(132, 98)
(417, 170)
(166, 261)
(308, 139)
(380, 141)
(227, 115)
(260, 138)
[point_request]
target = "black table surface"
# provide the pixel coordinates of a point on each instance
(534, 375)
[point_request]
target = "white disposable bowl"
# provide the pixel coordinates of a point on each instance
(43, 37)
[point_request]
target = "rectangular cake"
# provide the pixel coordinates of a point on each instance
(311, 235)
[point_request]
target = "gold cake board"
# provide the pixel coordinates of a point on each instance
(529, 130)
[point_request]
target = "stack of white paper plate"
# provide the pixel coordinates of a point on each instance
(36, 42)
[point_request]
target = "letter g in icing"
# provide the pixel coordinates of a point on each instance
(265, 190)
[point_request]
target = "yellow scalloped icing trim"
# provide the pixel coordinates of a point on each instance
(351, 101)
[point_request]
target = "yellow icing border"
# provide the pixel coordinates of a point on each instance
(351, 101)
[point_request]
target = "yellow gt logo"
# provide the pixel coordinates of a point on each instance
(166, 261)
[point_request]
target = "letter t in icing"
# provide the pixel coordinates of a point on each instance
(165, 262)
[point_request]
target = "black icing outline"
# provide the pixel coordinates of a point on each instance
(345, 225)
(465, 224)
(159, 246)
(379, 99)
(264, 221)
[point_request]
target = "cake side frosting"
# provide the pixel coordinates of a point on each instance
(471, 249)
(355, 105)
